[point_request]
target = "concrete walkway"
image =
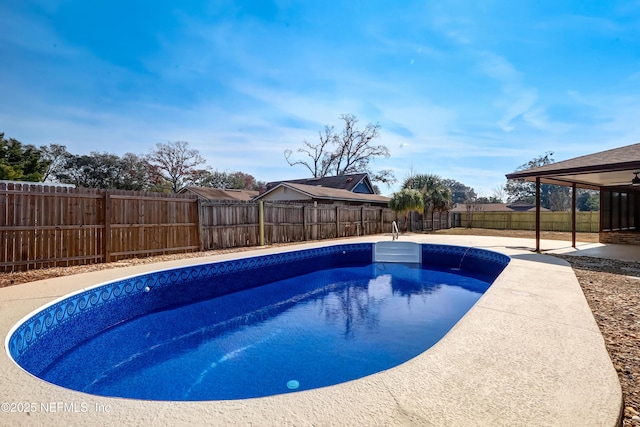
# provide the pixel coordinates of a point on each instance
(529, 353)
(601, 250)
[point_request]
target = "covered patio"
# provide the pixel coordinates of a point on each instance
(614, 173)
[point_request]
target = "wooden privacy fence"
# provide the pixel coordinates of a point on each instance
(588, 222)
(47, 226)
(226, 225)
(418, 221)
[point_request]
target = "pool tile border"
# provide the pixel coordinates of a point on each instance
(60, 312)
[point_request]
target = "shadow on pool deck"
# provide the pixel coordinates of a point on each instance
(601, 250)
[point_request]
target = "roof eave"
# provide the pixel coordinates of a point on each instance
(561, 182)
(612, 167)
(344, 199)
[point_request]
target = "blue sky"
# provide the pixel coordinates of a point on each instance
(465, 90)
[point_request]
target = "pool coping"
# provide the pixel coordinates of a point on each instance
(528, 353)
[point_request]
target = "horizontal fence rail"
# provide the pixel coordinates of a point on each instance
(587, 222)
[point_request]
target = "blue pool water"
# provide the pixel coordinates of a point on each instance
(254, 326)
(316, 330)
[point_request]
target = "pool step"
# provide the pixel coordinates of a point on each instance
(396, 251)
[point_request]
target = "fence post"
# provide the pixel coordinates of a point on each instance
(362, 232)
(107, 226)
(261, 219)
(200, 223)
(314, 218)
(337, 222)
(304, 222)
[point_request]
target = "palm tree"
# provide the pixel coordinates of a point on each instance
(435, 195)
(439, 199)
(404, 201)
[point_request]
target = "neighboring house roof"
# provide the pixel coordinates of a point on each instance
(521, 206)
(610, 168)
(220, 193)
(314, 192)
(499, 207)
(357, 183)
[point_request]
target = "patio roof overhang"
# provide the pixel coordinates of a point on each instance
(611, 168)
(618, 175)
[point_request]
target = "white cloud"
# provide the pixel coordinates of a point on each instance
(518, 99)
(520, 102)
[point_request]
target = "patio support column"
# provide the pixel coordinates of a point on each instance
(573, 215)
(537, 214)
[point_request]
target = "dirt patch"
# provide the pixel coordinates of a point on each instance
(612, 290)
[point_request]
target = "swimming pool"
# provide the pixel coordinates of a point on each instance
(39, 343)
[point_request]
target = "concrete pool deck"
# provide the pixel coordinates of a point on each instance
(528, 353)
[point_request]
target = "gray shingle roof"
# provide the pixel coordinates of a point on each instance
(221, 194)
(343, 182)
(613, 167)
(336, 193)
(325, 193)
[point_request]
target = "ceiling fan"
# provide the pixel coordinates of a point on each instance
(635, 180)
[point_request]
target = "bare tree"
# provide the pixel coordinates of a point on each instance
(320, 158)
(500, 193)
(355, 151)
(560, 198)
(350, 151)
(174, 162)
(472, 206)
(55, 155)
